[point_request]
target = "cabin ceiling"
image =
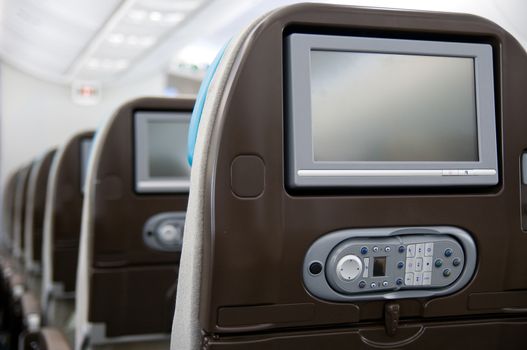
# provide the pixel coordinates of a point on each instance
(117, 41)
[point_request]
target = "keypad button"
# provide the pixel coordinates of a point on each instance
(373, 285)
(362, 284)
(456, 262)
(429, 249)
(400, 265)
(427, 263)
(420, 249)
(401, 249)
(399, 281)
(438, 263)
(410, 265)
(418, 264)
(385, 283)
(427, 278)
(409, 279)
(364, 250)
(447, 272)
(418, 279)
(448, 252)
(375, 249)
(387, 249)
(410, 251)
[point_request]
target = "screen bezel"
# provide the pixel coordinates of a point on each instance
(143, 182)
(303, 171)
(86, 145)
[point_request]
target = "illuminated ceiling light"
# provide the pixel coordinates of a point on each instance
(132, 40)
(116, 38)
(155, 16)
(137, 15)
(93, 63)
(173, 18)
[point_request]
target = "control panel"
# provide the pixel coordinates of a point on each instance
(164, 231)
(389, 263)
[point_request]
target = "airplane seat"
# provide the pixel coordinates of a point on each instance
(298, 239)
(134, 208)
(35, 205)
(47, 338)
(20, 212)
(60, 242)
(8, 213)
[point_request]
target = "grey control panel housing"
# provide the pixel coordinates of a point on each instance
(389, 263)
(164, 231)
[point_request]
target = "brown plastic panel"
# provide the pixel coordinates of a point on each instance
(254, 248)
(487, 334)
(132, 288)
(67, 214)
(39, 204)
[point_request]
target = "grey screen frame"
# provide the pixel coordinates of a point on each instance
(143, 182)
(303, 171)
(86, 145)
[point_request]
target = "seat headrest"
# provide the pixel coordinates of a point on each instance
(200, 102)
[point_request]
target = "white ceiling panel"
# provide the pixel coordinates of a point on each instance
(118, 41)
(44, 37)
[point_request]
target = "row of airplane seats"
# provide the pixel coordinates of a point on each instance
(247, 217)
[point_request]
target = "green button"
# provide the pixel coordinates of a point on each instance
(439, 263)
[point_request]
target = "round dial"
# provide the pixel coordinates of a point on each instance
(169, 234)
(349, 267)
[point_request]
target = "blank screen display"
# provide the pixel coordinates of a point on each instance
(167, 145)
(86, 145)
(379, 266)
(392, 107)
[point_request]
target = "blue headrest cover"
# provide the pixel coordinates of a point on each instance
(200, 102)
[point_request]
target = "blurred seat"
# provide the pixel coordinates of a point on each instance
(20, 212)
(132, 224)
(34, 219)
(45, 339)
(8, 213)
(62, 218)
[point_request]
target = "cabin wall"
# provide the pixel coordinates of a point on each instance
(36, 115)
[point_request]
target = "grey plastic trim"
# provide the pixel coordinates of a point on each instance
(320, 250)
(303, 171)
(524, 168)
(143, 182)
(150, 236)
(85, 151)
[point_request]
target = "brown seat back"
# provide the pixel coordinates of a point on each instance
(248, 232)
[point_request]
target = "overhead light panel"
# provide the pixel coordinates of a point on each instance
(137, 15)
(135, 27)
(155, 16)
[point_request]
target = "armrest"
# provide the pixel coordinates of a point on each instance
(54, 339)
(17, 285)
(45, 339)
(31, 311)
